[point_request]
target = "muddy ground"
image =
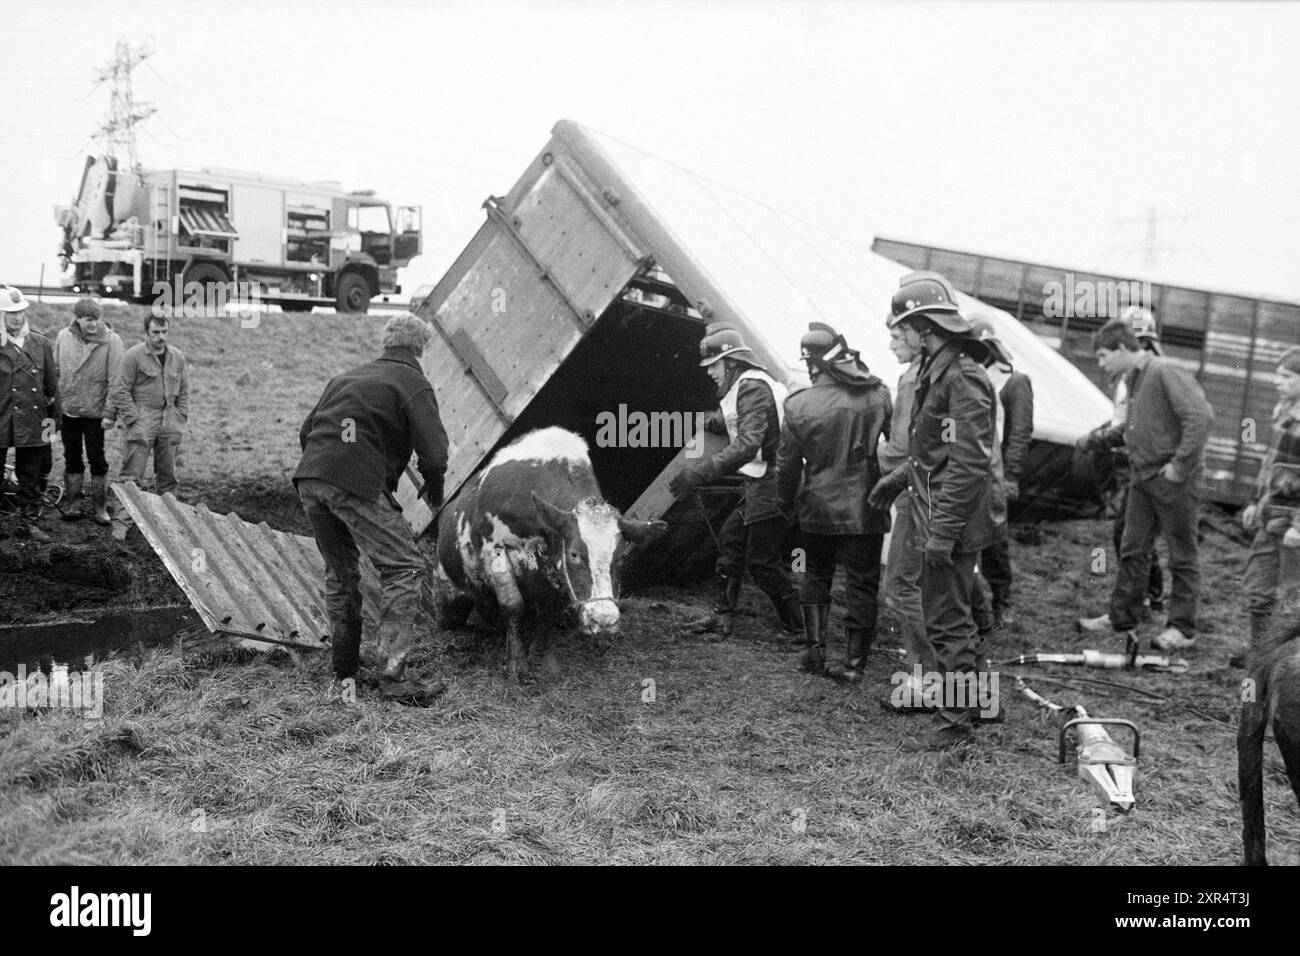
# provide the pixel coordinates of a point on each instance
(665, 748)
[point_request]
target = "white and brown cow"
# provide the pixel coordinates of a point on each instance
(531, 534)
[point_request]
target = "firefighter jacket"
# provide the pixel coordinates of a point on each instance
(950, 451)
(829, 438)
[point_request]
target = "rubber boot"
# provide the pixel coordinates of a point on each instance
(859, 645)
(951, 728)
(99, 498)
(815, 616)
(722, 620)
(345, 648)
(790, 615)
(31, 527)
(73, 501)
(980, 609)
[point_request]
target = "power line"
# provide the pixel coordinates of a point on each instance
(118, 130)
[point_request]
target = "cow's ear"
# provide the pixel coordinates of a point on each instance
(554, 518)
(641, 530)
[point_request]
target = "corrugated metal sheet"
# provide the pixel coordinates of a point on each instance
(245, 580)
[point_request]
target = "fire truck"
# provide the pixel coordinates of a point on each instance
(299, 244)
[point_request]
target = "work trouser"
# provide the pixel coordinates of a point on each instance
(1155, 578)
(946, 600)
(902, 584)
(860, 555)
(343, 523)
(1158, 505)
(27, 469)
(1272, 578)
(753, 536)
(162, 448)
(91, 432)
(995, 565)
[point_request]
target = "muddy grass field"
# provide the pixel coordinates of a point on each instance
(664, 749)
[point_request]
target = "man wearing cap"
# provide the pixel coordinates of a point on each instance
(28, 403)
(1165, 431)
(751, 414)
(1015, 428)
(829, 437)
(89, 357)
(151, 396)
(356, 443)
(949, 475)
(1108, 439)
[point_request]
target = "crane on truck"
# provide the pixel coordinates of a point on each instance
(299, 244)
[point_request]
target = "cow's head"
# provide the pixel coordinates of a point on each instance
(586, 546)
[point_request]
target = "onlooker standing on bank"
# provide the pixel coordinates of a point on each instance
(89, 357)
(1167, 426)
(1273, 567)
(28, 403)
(152, 399)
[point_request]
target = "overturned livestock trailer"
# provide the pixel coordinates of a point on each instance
(581, 300)
(1230, 342)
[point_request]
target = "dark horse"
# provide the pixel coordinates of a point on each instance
(1270, 695)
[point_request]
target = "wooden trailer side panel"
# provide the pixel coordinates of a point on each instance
(528, 288)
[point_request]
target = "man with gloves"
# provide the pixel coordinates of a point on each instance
(751, 414)
(948, 473)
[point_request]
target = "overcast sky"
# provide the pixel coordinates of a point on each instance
(1043, 131)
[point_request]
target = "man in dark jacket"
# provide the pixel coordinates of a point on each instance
(28, 405)
(355, 445)
(829, 438)
(949, 475)
(1166, 429)
(752, 406)
(1015, 427)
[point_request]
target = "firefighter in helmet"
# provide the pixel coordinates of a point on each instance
(948, 473)
(752, 536)
(828, 449)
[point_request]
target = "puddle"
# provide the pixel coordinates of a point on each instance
(71, 642)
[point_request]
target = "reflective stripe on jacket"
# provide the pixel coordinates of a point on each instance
(731, 417)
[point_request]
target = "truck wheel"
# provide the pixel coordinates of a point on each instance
(352, 293)
(202, 273)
